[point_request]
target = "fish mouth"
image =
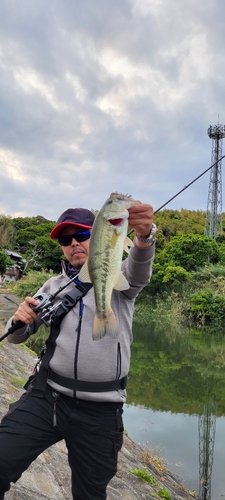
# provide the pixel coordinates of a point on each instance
(115, 222)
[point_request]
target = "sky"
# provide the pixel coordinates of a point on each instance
(108, 95)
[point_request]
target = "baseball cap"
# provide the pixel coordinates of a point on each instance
(81, 217)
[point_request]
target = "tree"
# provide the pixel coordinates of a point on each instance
(7, 232)
(51, 253)
(23, 222)
(43, 253)
(5, 262)
(191, 251)
(30, 233)
(164, 278)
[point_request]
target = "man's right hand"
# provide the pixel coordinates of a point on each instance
(24, 312)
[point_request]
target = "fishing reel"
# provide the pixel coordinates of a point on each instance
(44, 306)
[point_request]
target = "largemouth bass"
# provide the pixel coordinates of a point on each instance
(103, 267)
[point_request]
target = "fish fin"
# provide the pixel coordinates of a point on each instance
(94, 211)
(84, 273)
(105, 326)
(128, 244)
(122, 283)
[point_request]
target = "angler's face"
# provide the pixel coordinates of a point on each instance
(76, 252)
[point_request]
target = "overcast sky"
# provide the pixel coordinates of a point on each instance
(108, 95)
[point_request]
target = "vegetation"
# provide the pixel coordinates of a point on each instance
(187, 285)
(17, 381)
(163, 493)
(144, 475)
(29, 236)
(29, 284)
(4, 262)
(147, 477)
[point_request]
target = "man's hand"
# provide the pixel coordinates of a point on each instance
(141, 218)
(24, 312)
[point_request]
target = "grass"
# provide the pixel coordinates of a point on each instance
(17, 381)
(20, 368)
(147, 477)
(144, 475)
(26, 348)
(151, 457)
(163, 493)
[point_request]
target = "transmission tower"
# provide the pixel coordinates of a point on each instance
(207, 429)
(213, 223)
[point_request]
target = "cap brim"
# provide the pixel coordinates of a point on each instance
(56, 231)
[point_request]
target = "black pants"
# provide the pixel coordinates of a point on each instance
(93, 433)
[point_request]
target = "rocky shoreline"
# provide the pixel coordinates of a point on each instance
(49, 476)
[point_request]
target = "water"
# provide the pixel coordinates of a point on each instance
(176, 404)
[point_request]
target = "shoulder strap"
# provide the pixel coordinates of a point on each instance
(68, 302)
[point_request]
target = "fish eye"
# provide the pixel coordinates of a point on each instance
(109, 202)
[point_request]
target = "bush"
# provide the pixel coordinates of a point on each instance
(208, 308)
(30, 283)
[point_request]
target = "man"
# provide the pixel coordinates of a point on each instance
(79, 390)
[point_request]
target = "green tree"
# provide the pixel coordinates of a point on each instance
(3, 261)
(221, 252)
(7, 232)
(44, 253)
(30, 233)
(23, 222)
(208, 308)
(50, 253)
(175, 275)
(173, 222)
(191, 251)
(165, 278)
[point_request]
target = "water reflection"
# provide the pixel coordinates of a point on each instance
(206, 430)
(181, 373)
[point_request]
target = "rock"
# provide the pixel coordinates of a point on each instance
(49, 476)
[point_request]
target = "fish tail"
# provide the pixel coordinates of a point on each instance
(105, 326)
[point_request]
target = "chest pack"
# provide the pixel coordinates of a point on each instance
(43, 372)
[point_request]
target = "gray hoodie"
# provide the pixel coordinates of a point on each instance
(97, 360)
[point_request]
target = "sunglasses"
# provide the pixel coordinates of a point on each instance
(80, 236)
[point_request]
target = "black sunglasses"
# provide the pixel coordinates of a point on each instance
(80, 236)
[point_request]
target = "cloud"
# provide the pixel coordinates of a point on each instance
(116, 95)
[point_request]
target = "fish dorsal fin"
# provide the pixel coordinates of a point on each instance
(128, 244)
(122, 283)
(84, 273)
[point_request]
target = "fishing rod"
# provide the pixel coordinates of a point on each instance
(190, 183)
(181, 191)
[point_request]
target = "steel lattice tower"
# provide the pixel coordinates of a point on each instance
(213, 223)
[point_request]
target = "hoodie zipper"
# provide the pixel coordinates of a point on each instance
(78, 330)
(118, 373)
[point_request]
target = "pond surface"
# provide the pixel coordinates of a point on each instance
(176, 404)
